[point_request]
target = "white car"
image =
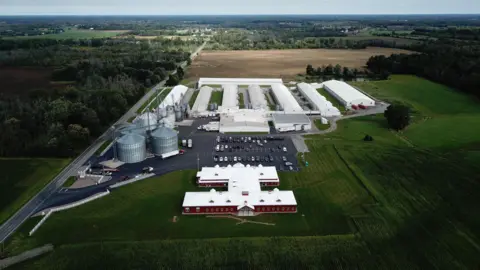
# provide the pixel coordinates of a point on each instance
(226, 159)
(226, 146)
(284, 149)
(221, 159)
(235, 159)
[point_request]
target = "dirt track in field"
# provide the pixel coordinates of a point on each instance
(277, 63)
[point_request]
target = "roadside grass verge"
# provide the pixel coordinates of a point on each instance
(103, 147)
(23, 178)
(161, 95)
(70, 181)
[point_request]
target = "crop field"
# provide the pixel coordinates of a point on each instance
(22, 178)
(21, 80)
(277, 63)
(362, 205)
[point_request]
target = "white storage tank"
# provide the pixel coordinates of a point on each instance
(131, 148)
(164, 140)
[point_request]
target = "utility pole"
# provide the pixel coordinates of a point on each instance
(198, 162)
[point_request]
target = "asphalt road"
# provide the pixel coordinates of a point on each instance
(34, 205)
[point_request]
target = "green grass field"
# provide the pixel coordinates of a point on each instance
(241, 101)
(398, 202)
(330, 98)
(321, 126)
(161, 95)
(22, 178)
(216, 97)
(193, 98)
(75, 34)
(70, 181)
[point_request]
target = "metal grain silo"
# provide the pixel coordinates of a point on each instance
(148, 121)
(133, 129)
(164, 140)
(131, 148)
(178, 114)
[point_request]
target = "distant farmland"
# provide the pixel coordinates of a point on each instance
(277, 63)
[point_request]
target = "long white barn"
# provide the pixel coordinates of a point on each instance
(238, 81)
(318, 101)
(257, 97)
(285, 98)
(346, 94)
(230, 96)
(201, 103)
(175, 96)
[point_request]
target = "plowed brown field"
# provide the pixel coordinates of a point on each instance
(277, 63)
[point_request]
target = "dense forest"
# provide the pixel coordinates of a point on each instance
(103, 78)
(453, 63)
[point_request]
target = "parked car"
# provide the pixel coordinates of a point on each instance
(221, 159)
(288, 163)
(291, 168)
(284, 158)
(284, 149)
(235, 159)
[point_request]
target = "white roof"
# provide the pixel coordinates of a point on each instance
(238, 81)
(243, 188)
(285, 98)
(320, 102)
(348, 93)
(286, 118)
(201, 103)
(257, 97)
(230, 96)
(147, 120)
(175, 96)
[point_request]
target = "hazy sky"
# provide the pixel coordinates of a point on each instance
(189, 7)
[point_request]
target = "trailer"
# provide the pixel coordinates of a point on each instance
(170, 154)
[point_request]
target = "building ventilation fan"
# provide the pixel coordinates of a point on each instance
(261, 200)
(278, 200)
(211, 201)
(228, 201)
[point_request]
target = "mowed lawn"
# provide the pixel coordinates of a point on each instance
(216, 97)
(22, 178)
(326, 193)
(442, 117)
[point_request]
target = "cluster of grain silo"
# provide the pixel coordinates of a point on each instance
(164, 140)
(131, 148)
(153, 129)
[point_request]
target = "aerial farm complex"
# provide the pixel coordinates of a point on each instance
(220, 135)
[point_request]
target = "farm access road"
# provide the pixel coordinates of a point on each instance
(32, 206)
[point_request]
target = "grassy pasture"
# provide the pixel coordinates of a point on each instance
(22, 178)
(193, 98)
(241, 101)
(216, 97)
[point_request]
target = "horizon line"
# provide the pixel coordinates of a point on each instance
(279, 14)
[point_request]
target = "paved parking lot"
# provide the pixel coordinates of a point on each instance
(269, 152)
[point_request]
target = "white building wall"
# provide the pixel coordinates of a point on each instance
(283, 97)
(257, 97)
(230, 96)
(238, 81)
(203, 97)
(175, 96)
(347, 94)
(319, 102)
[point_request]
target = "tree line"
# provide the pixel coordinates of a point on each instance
(452, 63)
(104, 82)
(338, 72)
